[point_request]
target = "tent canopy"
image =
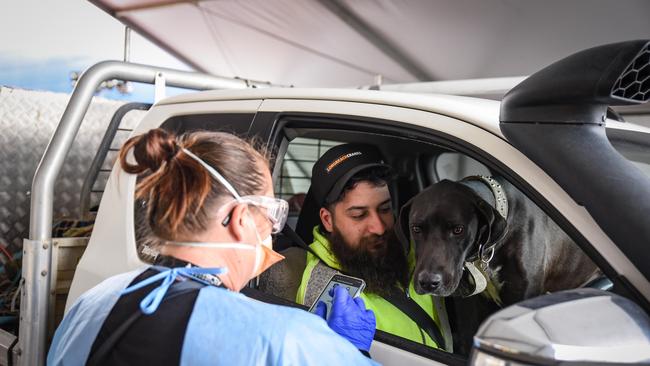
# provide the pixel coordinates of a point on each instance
(338, 43)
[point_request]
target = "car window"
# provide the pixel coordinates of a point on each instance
(295, 173)
(236, 123)
(412, 159)
(455, 166)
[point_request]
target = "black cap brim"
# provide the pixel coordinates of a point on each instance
(337, 188)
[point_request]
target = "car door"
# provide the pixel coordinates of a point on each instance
(288, 119)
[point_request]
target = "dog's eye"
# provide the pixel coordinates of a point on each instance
(458, 229)
(416, 229)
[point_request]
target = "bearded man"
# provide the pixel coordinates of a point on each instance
(356, 238)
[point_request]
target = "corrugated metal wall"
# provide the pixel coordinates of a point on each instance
(27, 122)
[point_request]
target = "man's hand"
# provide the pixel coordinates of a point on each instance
(349, 318)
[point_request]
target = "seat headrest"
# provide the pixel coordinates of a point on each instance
(309, 217)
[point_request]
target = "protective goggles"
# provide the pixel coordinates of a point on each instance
(276, 209)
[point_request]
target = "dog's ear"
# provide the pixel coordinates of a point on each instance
(402, 230)
(491, 223)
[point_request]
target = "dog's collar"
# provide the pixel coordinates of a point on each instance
(483, 283)
(498, 195)
(499, 201)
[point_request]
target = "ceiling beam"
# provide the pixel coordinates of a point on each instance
(372, 35)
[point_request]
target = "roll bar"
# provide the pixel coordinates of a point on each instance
(37, 250)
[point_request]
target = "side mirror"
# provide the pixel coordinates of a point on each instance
(582, 326)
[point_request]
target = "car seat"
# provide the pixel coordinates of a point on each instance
(283, 278)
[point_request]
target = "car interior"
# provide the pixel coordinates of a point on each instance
(416, 164)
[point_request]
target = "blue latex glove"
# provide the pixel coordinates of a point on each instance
(349, 318)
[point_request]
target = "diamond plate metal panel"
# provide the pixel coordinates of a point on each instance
(27, 122)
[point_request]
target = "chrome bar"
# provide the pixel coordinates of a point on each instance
(127, 44)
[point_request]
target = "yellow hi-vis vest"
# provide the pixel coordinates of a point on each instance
(389, 318)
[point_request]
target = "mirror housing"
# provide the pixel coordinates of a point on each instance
(569, 327)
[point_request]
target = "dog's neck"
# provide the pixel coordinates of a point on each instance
(490, 191)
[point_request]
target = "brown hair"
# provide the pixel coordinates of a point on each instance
(180, 194)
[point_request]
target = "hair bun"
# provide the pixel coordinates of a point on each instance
(151, 150)
(156, 147)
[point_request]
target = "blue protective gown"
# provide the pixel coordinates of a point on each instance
(225, 328)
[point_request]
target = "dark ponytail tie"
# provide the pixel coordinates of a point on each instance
(175, 149)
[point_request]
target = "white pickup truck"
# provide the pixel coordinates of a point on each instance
(551, 136)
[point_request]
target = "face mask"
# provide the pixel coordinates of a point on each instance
(256, 256)
(253, 258)
(265, 256)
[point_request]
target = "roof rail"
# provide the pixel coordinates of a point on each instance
(37, 250)
(491, 88)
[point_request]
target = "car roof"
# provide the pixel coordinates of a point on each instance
(483, 113)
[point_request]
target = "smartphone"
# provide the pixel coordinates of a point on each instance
(354, 286)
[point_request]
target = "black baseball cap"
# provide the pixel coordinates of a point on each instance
(333, 170)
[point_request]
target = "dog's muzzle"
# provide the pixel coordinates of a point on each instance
(429, 282)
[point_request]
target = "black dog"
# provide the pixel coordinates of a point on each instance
(450, 222)
(524, 253)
